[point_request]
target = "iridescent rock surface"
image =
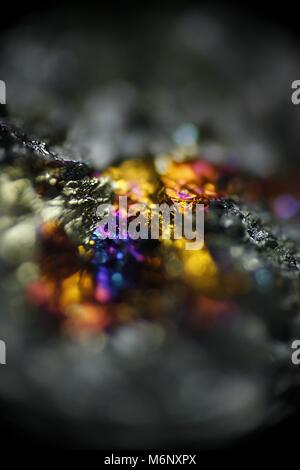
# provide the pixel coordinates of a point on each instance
(143, 342)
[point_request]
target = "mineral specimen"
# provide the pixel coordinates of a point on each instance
(240, 289)
(141, 342)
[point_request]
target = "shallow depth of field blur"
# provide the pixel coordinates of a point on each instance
(189, 349)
